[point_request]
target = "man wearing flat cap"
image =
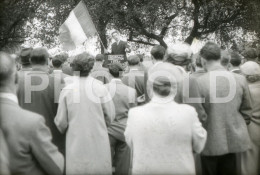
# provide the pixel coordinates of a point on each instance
(134, 78)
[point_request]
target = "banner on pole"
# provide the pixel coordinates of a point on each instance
(77, 27)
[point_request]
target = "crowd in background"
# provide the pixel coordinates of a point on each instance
(61, 115)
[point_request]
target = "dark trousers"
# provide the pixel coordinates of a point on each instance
(219, 165)
(120, 154)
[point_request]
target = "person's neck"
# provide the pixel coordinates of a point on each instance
(133, 67)
(199, 69)
(98, 64)
(40, 67)
(211, 65)
(8, 89)
(233, 68)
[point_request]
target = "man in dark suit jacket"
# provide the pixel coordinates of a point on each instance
(235, 62)
(228, 107)
(38, 93)
(124, 98)
(119, 47)
(28, 138)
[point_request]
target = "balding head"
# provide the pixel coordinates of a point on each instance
(7, 69)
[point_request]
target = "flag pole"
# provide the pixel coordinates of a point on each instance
(95, 27)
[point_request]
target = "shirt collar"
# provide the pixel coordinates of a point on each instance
(57, 71)
(116, 80)
(133, 69)
(236, 69)
(9, 96)
(162, 100)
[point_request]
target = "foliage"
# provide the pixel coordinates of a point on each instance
(145, 22)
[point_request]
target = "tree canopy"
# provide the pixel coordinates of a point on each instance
(147, 22)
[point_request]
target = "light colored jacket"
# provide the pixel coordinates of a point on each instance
(163, 136)
(226, 121)
(85, 110)
(29, 141)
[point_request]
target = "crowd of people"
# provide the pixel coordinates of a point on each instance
(185, 114)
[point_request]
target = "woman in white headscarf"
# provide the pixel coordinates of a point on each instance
(163, 134)
(251, 159)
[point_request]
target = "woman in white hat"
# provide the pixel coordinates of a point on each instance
(163, 134)
(251, 159)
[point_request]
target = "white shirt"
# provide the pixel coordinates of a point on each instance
(9, 96)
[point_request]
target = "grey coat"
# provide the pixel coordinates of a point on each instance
(29, 141)
(226, 121)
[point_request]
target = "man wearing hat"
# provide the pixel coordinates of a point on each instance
(163, 134)
(188, 91)
(250, 159)
(134, 78)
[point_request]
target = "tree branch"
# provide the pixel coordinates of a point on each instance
(167, 23)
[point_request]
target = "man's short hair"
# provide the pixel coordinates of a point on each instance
(57, 61)
(83, 63)
(250, 53)
(236, 59)
(115, 69)
(158, 52)
(133, 60)
(100, 57)
(7, 67)
(39, 56)
(210, 51)
(24, 56)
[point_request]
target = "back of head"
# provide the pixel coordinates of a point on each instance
(158, 52)
(7, 68)
(179, 54)
(58, 60)
(100, 57)
(133, 60)
(236, 59)
(250, 54)
(211, 52)
(225, 58)
(83, 63)
(115, 69)
(39, 56)
(25, 56)
(164, 78)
